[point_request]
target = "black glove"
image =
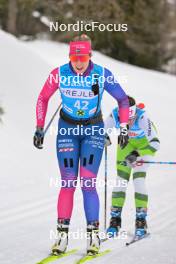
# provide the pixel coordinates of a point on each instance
(107, 140)
(123, 137)
(38, 138)
(132, 158)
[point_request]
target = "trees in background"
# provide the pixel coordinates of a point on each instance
(145, 39)
(12, 16)
(149, 41)
(170, 42)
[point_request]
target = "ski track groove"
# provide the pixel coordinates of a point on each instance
(21, 213)
(161, 221)
(28, 206)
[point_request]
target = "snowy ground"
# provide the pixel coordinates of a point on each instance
(28, 201)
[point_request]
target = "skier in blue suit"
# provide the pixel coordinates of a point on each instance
(81, 84)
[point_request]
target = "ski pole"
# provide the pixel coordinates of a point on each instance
(149, 162)
(105, 193)
(158, 162)
(51, 120)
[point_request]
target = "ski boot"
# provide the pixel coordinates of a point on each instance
(115, 222)
(93, 240)
(141, 224)
(61, 243)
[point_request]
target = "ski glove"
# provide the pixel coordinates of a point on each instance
(132, 158)
(123, 137)
(107, 140)
(38, 138)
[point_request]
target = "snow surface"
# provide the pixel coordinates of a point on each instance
(27, 193)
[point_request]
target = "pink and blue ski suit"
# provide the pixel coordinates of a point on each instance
(80, 152)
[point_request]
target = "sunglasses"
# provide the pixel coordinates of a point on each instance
(82, 58)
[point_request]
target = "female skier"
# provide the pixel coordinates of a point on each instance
(81, 88)
(142, 146)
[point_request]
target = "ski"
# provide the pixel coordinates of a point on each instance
(136, 239)
(52, 257)
(91, 257)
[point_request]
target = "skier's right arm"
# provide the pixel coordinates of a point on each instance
(50, 86)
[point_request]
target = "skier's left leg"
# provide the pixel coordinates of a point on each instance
(141, 195)
(119, 190)
(91, 153)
